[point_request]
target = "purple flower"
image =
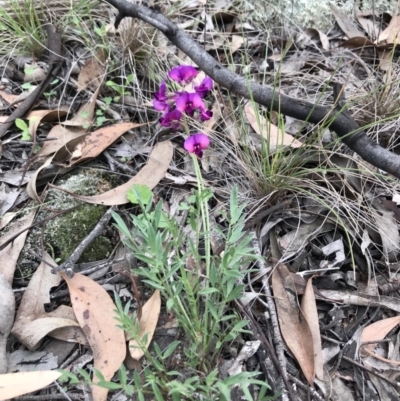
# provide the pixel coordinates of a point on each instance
(205, 114)
(205, 86)
(196, 144)
(189, 102)
(183, 73)
(160, 98)
(171, 119)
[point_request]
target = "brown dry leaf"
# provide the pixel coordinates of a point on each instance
(148, 323)
(15, 384)
(309, 309)
(149, 175)
(369, 26)
(8, 97)
(31, 187)
(37, 116)
(392, 32)
(377, 331)
(236, 43)
(357, 42)
(92, 73)
(71, 333)
(312, 33)
(7, 311)
(77, 126)
(385, 59)
(95, 312)
(9, 255)
(92, 144)
(294, 327)
(345, 23)
(84, 117)
(270, 131)
(32, 323)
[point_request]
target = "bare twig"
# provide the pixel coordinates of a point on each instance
(68, 265)
(259, 335)
(372, 371)
(54, 46)
(342, 123)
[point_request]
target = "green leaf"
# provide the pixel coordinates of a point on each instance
(29, 70)
(170, 349)
(139, 192)
(21, 124)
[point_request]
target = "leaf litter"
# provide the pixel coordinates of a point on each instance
(341, 243)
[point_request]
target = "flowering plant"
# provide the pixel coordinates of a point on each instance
(175, 105)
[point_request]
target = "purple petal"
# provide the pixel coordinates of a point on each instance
(171, 119)
(159, 105)
(183, 73)
(205, 115)
(202, 140)
(196, 102)
(205, 86)
(190, 144)
(182, 101)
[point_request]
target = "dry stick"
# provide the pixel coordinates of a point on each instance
(312, 391)
(68, 265)
(37, 223)
(342, 123)
(259, 335)
(278, 342)
(369, 370)
(54, 46)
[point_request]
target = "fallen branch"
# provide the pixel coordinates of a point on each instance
(342, 123)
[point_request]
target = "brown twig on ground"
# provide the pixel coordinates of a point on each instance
(54, 47)
(259, 335)
(278, 341)
(68, 265)
(340, 122)
(37, 223)
(369, 370)
(312, 391)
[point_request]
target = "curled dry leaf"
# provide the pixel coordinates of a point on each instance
(7, 310)
(70, 129)
(37, 116)
(309, 309)
(377, 331)
(95, 312)
(294, 326)
(91, 145)
(9, 255)
(15, 384)
(70, 333)
(269, 131)
(148, 323)
(32, 323)
(149, 175)
(92, 73)
(345, 23)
